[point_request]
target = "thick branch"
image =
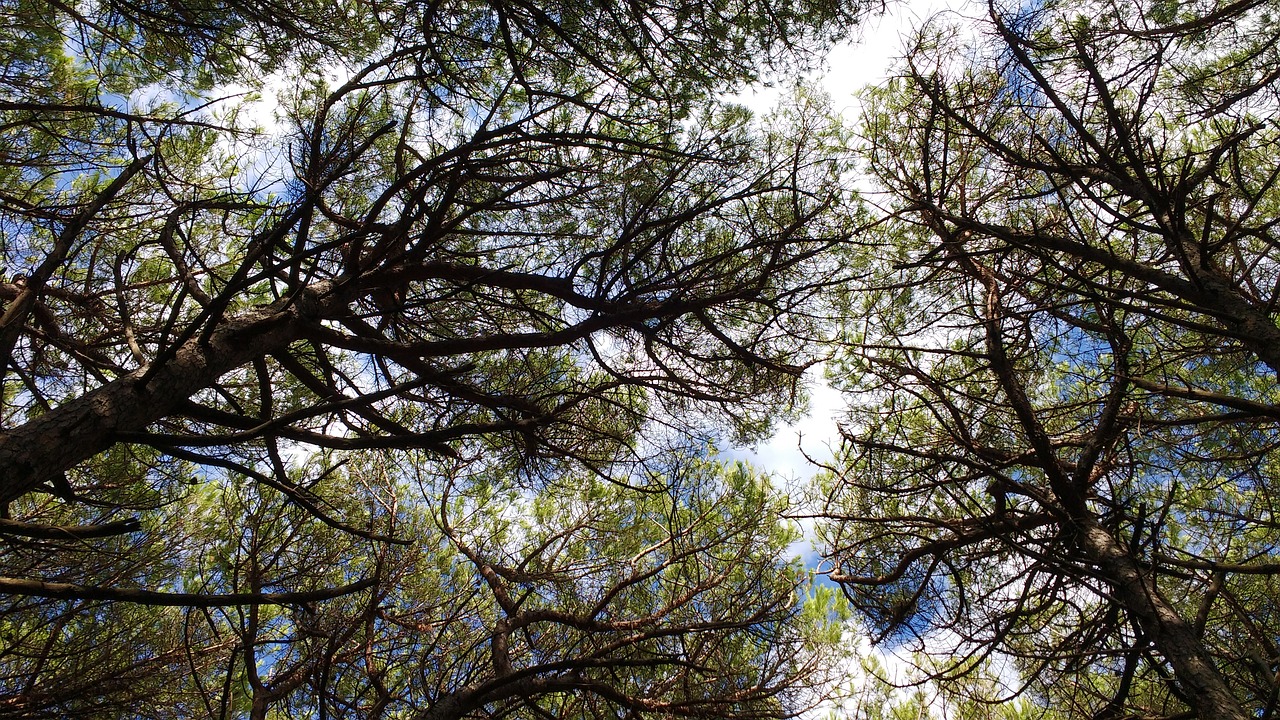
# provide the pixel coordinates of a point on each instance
(67, 591)
(75, 431)
(68, 532)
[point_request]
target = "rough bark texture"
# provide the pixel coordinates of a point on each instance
(37, 588)
(34, 453)
(1172, 635)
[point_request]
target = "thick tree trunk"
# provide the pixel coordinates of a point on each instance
(1170, 633)
(39, 451)
(48, 445)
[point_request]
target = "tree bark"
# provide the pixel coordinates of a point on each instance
(50, 444)
(1173, 636)
(68, 591)
(68, 532)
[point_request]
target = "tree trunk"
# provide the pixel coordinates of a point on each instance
(1176, 640)
(48, 445)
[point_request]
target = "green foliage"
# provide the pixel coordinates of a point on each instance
(363, 404)
(1064, 354)
(574, 598)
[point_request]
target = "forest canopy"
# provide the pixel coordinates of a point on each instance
(398, 399)
(1064, 353)
(370, 360)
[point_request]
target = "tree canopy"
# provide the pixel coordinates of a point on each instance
(336, 410)
(1064, 356)
(369, 360)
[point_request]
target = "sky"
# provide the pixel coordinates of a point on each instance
(865, 60)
